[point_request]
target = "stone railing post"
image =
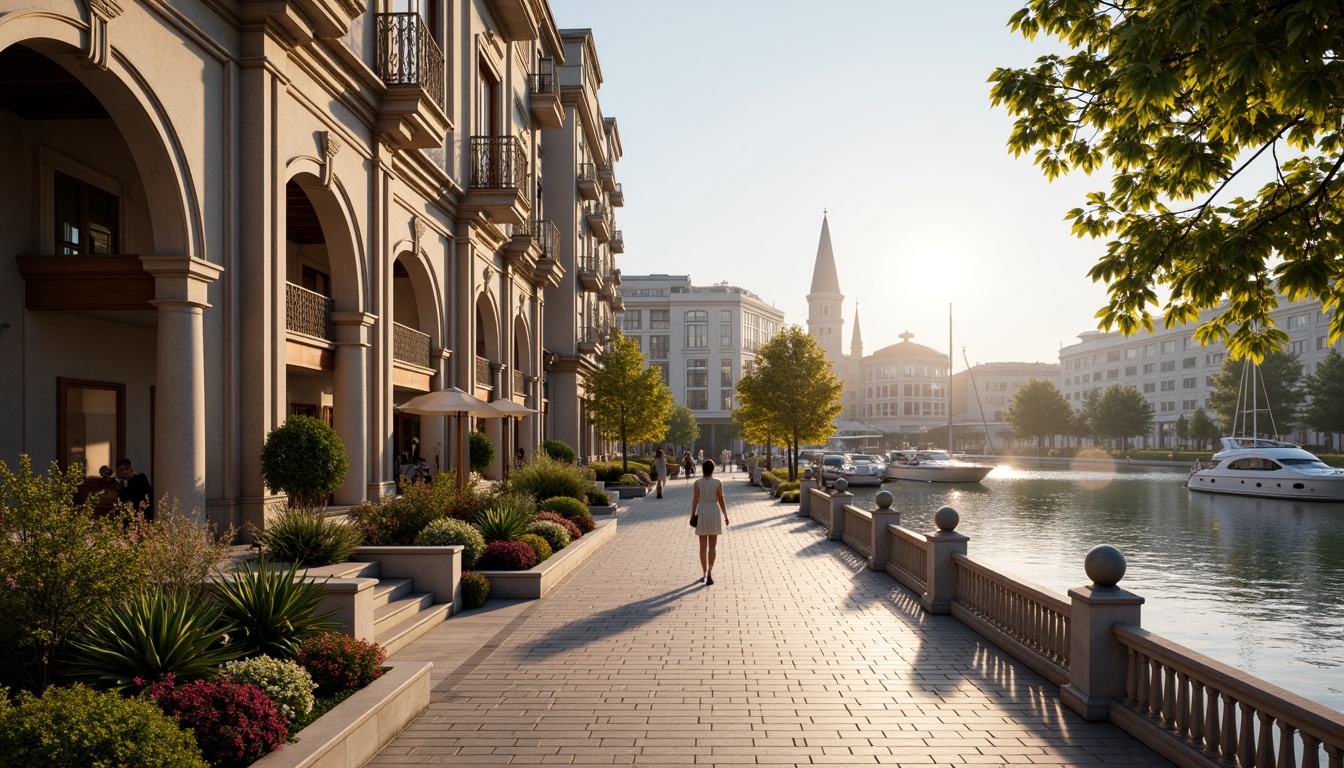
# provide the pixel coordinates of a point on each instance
(1098, 662)
(883, 516)
(839, 498)
(941, 579)
(352, 601)
(805, 494)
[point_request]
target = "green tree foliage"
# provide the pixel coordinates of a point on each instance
(1189, 106)
(682, 427)
(1202, 428)
(304, 458)
(481, 451)
(794, 390)
(63, 568)
(1182, 428)
(1325, 411)
(1039, 410)
(1278, 394)
(626, 401)
(1119, 413)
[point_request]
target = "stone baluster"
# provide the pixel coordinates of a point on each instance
(941, 575)
(880, 545)
(1097, 666)
(805, 494)
(839, 499)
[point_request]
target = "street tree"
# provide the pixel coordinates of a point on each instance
(1278, 394)
(795, 388)
(1182, 430)
(1202, 428)
(1038, 410)
(1325, 387)
(754, 423)
(1221, 126)
(682, 427)
(1121, 412)
(625, 400)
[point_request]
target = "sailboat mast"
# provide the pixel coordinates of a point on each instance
(949, 377)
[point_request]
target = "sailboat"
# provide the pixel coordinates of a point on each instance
(1249, 465)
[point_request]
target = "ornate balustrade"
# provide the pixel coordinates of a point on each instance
(408, 55)
(519, 382)
(307, 312)
(909, 562)
(1031, 615)
(498, 162)
(483, 378)
(410, 346)
(858, 529)
(542, 82)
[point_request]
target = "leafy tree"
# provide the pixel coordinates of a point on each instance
(304, 458)
(1120, 413)
(1182, 427)
(1202, 428)
(1039, 409)
(481, 452)
(1177, 101)
(794, 390)
(753, 422)
(1325, 411)
(1277, 387)
(682, 427)
(626, 401)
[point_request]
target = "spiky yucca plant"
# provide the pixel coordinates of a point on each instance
(273, 609)
(505, 522)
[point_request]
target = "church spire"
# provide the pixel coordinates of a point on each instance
(856, 341)
(824, 278)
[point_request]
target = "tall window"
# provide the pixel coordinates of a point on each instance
(91, 424)
(697, 384)
(697, 329)
(658, 320)
(633, 320)
(86, 217)
(487, 102)
(726, 328)
(658, 347)
(726, 373)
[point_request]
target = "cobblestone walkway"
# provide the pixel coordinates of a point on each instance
(798, 655)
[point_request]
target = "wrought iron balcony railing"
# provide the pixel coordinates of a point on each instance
(498, 162)
(408, 55)
(587, 172)
(519, 383)
(410, 345)
(545, 233)
(543, 80)
(307, 312)
(483, 372)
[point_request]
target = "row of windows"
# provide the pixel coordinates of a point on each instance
(907, 408)
(905, 372)
(880, 391)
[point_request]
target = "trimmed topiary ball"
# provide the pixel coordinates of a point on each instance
(475, 589)
(559, 450)
(554, 533)
(482, 453)
(235, 723)
(599, 498)
(563, 522)
(538, 545)
(304, 458)
(507, 556)
(449, 532)
(585, 523)
(564, 506)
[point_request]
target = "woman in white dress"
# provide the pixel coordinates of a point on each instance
(706, 504)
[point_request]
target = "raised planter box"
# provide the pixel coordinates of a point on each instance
(629, 491)
(358, 728)
(597, 511)
(536, 582)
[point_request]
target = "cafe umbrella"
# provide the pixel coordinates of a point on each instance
(453, 402)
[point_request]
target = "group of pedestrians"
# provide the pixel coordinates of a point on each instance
(706, 505)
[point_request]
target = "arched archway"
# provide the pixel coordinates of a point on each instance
(417, 332)
(487, 346)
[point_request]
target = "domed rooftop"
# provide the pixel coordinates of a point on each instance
(906, 349)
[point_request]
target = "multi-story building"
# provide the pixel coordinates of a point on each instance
(220, 214)
(1172, 371)
(703, 339)
(902, 389)
(981, 396)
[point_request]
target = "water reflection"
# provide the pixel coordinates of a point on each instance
(1255, 583)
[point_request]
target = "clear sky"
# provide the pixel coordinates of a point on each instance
(742, 120)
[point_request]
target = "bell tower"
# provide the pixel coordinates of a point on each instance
(825, 301)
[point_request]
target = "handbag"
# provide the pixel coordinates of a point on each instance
(695, 518)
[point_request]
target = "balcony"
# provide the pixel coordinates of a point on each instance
(587, 179)
(617, 197)
(606, 175)
(497, 186)
(617, 242)
(516, 20)
(410, 346)
(589, 275)
(532, 241)
(599, 226)
(519, 383)
(483, 373)
(410, 63)
(587, 341)
(100, 281)
(544, 96)
(308, 313)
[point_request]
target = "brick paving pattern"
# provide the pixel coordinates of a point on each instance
(797, 655)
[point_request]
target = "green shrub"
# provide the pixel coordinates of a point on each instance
(554, 534)
(482, 453)
(640, 466)
(538, 545)
(475, 589)
(309, 538)
(508, 556)
(545, 478)
(396, 520)
(563, 522)
(605, 471)
(273, 610)
(564, 505)
(585, 523)
(504, 494)
(180, 552)
(77, 727)
(235, 724)
(338, 662)
(304, 458)
(449, 532)
(790, 497)
(503, 523)
(629, 480)
(599, 498)
(559, 450)
(284, 682)
(63, 568)
(784, 486)
(151, 636)
(643, 476)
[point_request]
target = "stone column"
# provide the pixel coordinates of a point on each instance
(496, 429)
(883, 516)
(433, 432)
(839, 499)
(805, 494)
(941, 579)
(350, 401)
(1098, 662)
(180, 286)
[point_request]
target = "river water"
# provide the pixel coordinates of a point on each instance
(1254, 583)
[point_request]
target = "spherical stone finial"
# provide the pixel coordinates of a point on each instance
(841, 485)
(946, 518)
(1105, 566)
(884, 499)
(807, 473)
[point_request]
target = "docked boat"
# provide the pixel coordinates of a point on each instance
(830, 466)
(859, 472)
(1253, 466)
(929, 466)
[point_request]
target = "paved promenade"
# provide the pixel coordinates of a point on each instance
(797, 655)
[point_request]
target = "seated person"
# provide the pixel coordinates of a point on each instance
(422, 473)
(135, 489)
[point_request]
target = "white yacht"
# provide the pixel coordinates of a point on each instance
(933, 466)
(1252, 466)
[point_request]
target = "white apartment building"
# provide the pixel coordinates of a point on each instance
(703, 338)
(1172, 370)
(981, 396)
